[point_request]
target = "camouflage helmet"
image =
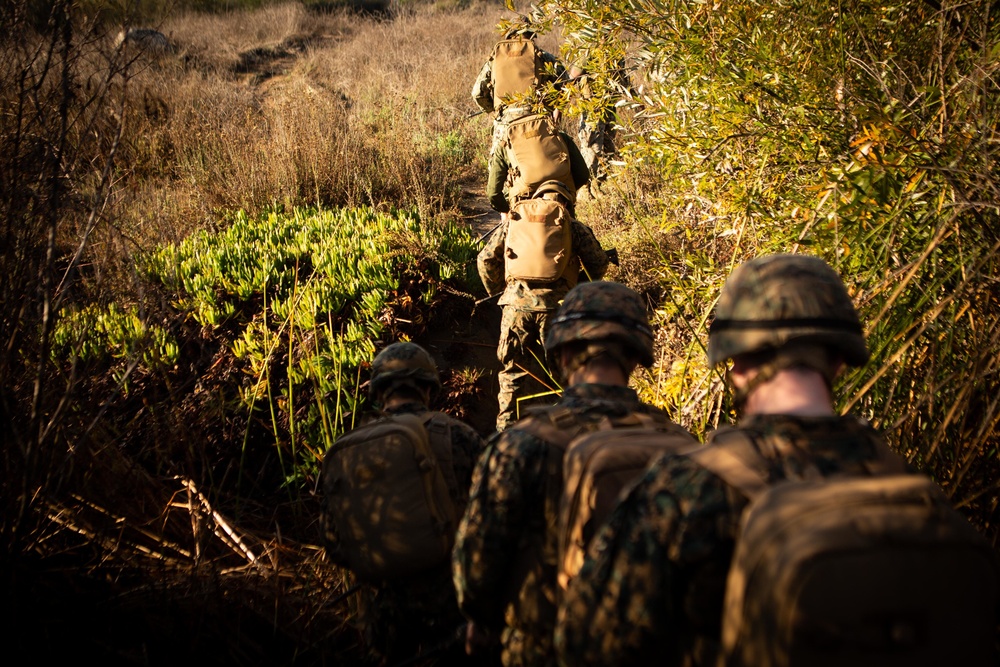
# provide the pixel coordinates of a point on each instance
(602, 310)
(775, 300)
(403, 363)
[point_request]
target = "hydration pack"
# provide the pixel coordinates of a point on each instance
(538, 153)
(539, 243)
(517, 66)
(388, 507)
(851, 570)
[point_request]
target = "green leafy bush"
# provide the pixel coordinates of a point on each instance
(863, 132)
(109, 334)
(300, 300)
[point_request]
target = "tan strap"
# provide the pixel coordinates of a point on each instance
(438, 427)
(888, 462)
(438, 503)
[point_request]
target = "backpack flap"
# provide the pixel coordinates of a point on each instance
(859, 571)
(539, 241)
(387, 500)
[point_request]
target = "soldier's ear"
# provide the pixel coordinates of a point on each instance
(741, 372)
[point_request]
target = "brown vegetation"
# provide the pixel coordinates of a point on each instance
(143, 526)
(139, 525)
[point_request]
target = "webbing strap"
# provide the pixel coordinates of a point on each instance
(439, 427)
(435, 487)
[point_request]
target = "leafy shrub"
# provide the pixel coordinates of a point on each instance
(859, 131)
(302, 298)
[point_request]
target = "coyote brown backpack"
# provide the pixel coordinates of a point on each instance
(596, 466)
(851, 570)
(516, 69)
(387, 499)
(539, 243)
(538, 154)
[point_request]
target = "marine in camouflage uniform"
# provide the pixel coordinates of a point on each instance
(527, 306)
(403, 618)
(652, 585)
(503, 113)
(596, 133)
(505, 555)
(499, 182)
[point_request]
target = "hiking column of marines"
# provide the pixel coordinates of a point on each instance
(589, 528)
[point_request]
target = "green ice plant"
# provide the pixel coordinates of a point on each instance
(299, 298)
(305, 293)
(112, 335)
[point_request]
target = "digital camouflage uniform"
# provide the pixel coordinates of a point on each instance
(402, 618)
(505, 556)
(652, 586)
(503, 114)
(509, 508)
(527, 306)
(596, 130)
(653, 582)
(499, 181)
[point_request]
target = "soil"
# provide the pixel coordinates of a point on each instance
(463, 338)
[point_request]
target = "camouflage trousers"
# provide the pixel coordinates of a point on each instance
(521, 649)
(402, 620)
(595, 137)
(522, 362)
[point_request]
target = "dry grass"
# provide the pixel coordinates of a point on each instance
(290, 106)
(282, 105)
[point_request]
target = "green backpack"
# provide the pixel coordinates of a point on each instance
(388, 508)
(873, 570)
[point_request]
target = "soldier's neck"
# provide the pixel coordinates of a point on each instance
(796, 391)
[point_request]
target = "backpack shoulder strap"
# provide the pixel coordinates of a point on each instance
(438, 425)
(887, 462)
(733, 456)
(557, 426)
(434, 481)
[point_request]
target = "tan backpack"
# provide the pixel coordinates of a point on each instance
(388, 508)
(538, 153)
(539, 243)
(598, 467)
(516, 69)
(848, 570)
(597, 463)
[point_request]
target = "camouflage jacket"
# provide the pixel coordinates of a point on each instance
(538, 296)
(482, 89)
(653, 583)
(506, 530)
(498, 184)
